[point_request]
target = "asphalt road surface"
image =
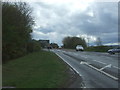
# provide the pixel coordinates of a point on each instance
(98, 70)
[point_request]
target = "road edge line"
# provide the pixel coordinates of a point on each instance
(68, 64)
(72, 68)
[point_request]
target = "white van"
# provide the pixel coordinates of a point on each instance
(79, 48)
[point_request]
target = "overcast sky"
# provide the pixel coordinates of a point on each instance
(56, 19)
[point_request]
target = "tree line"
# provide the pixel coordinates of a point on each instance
(17, 25)
(72, 42)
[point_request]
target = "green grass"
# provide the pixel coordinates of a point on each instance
(0, 75)
(36, 70)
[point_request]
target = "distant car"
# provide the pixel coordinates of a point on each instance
(113, 51)
(79, 48)
(49, 47)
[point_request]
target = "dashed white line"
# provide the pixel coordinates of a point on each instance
(99, 61)
(75, 54)
(116, 67)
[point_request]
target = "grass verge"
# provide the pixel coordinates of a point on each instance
(36, 70)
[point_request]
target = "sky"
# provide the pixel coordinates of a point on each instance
(56, 19)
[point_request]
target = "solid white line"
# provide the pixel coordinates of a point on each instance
(71, 67)
(115, 78)
(68, 63)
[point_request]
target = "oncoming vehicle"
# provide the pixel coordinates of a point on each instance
(113, 51)
(79, 48)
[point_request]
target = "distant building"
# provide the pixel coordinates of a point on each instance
(44, 43)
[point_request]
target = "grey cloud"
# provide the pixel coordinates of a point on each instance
(106, 24)
(53, 18)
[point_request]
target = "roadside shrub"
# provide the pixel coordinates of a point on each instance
(33, 46)
(17, 25)
(36, 46)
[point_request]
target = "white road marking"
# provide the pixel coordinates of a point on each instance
(105, 63)
(85, 57)
(58, 50)
(115, 78)
(116, 67)
(83, 62)
(63, 51)
(109, 66)
(82, 56)
(99, 61)
(75, 54)
(68, 64)
(84, 86)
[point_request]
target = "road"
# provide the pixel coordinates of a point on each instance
(98, 70)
